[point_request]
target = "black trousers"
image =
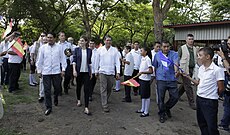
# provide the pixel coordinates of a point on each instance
(5, 72)
(48, 80)
(162, 87)
(14, 75)
(135, 72)
(83, 79)
(207, 110)
(92, 84)
(67, 78)
(127, 89)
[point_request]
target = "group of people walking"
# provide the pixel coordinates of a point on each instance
(63, 61)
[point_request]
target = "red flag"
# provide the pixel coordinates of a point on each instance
(131, 82)
(17, 47)
(8, 30)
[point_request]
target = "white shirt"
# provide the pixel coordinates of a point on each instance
(64, 46)
(219, 62)
(14, 58)
(153, 55)
(50, 58)
(93, 59)
(107, 60)
(5, 48)
(1, 50)
(137, 58)
(84, 67)
(129, 68)
(144, 66)
(207, 87)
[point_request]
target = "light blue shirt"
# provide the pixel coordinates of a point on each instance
(161, 73)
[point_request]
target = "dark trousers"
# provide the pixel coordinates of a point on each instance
(135, 72)
(186, 86)
(162, 87)
(67, 78)
(83, 79)
(92, 84)
(207, 110)
(127, 89)
(14, 75)
(48, 80)
(225, 121)
(5, 72)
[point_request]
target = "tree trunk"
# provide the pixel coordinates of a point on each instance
(146, 38)
(159, 12)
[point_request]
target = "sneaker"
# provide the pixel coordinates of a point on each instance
(106, 110)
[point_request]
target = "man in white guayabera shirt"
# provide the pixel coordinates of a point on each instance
(48, 65)
(106, 60)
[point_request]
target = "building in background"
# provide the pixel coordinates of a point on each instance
(205, 33)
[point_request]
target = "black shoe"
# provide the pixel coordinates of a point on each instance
(144, 115)
(33, 85)
(125, 100)
(162, 119)
(139, 111)
(48, 111)
(223, 128)
(90, 99)
(168, 113)
(41, 99)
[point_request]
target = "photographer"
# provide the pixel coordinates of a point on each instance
(225, 121)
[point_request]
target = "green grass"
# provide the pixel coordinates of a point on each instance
(26, 95)
(8, 132)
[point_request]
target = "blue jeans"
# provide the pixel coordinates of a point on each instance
(162, 87)
(225, 121)
(207, 110)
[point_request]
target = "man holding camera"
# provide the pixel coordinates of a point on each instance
(225, 121)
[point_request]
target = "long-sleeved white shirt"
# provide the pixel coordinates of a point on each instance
(107, 60)
(93, 59)
(137, 58)
(51, 59)
(65, 45)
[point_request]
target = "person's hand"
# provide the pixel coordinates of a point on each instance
(139, 74)
(221, 53)
(91, 76)
(97, 75)
(39, 75)
(74, 73)
(117, 77)
(62, 74)
(177, 74)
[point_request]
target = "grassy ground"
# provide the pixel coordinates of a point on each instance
(26, 95)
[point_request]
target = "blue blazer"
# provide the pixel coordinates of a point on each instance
(77, 56)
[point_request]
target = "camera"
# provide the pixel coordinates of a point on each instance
(223, 46)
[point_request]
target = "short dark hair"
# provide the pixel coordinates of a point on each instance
(84, 37)
(165, 42)
(148, 52)
(108, 36)
(52, 33)
(128, 47)
(136, 42)
(228, 37)
(208, 51)
(190, 35)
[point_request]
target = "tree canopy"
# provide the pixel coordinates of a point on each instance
(125, 20)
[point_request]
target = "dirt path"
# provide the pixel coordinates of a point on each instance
(67, 119)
